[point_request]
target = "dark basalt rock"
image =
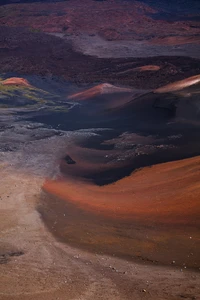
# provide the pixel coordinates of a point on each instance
(5, 257)
(69, 160)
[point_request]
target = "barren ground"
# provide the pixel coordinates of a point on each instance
(63, 235)
(36, 266)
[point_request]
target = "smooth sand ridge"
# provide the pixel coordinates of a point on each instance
(100, 89)
(16, 81)
(178, 85)
(141, 69)
(164, 193)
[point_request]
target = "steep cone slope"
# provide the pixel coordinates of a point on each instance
(178, 100)
(16, 81)
(105, 96)
(101, 89)
(179, 85)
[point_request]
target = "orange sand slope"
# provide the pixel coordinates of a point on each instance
(100, 89)
(148, 68)
(141, 69)
(164, 193)
(179, 85)
(16, 81)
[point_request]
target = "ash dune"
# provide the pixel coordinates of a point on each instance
(105, 96)
(178, 101)
(179, 85)
(32, 93)
(101, 89)
(139, 191)
(164, 195)
(169, 101)
(16, 81)
(148, 68)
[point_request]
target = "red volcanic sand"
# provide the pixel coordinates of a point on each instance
(179, 85)
(140, 69)
(100, 89)
(164, 193)
(148, 68)
(152, 215)
(16, 81)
